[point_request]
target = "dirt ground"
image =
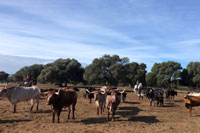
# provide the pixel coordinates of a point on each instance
(132, 116)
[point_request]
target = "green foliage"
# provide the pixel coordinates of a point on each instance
(151, 79)
(107, 70)
(32, 71)
(62, 71)
(184, 78)
(3, 76)
(134, 72)
(113, 70)
(193, 69)
(164, 74)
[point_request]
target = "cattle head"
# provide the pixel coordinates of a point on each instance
(52, 97)
(3, 92)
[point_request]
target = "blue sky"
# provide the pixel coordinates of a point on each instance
(146, 31)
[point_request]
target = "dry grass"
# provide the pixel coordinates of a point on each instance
(132, 116)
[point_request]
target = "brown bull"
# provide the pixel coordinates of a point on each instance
(64, 98)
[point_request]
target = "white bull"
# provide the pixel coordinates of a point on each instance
(18, 94)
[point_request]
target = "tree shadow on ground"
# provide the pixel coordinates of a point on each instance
(100, 120)
(128, 102)
(146, 119)
(169, 105)
(43, 111)
(128, 111)
(13, 121)
(181, 101)
(131, 112)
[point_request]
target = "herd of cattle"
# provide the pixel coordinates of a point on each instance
(104, 97)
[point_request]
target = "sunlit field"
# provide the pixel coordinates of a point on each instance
(132, 116)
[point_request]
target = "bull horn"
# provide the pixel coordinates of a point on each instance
(123, 91)
(57, 93)
(44, 93)
(89, 91)
(102, 92)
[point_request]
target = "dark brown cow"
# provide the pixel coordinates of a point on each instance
(64, 98)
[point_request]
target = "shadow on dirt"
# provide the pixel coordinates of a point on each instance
(167, 105)
(13, 121)
(43, 111)
(100, 120)
(146, 119)
(123, 112)
(181, 101)
(127, 102)
(128, 111)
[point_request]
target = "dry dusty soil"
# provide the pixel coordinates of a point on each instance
(132, 116)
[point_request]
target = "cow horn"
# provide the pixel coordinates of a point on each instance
(57, 93)
(89, 91)
(44, 93)
(102, 92)
(123, 91)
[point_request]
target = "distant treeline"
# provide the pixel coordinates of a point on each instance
(109, 70)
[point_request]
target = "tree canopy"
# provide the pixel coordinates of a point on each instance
(163, 74)
(193, 73)
(3, 76)
(32, 71)
(110, 70)
(113, 70)
(62, 71)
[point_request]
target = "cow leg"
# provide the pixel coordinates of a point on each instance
(108, 115)
(90, 100)
(37, 101)
(53, 117)
(14, 109)
(101, 110)
(190, 111)
(32, 103)
(69, 111)
(150, 102)
(97, 110)
(113, 115)
(158, 102)
(58, 114)
(73, 110)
